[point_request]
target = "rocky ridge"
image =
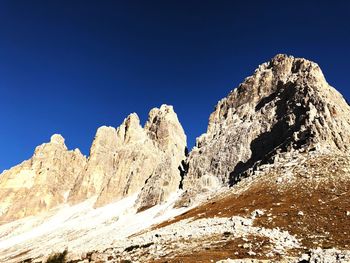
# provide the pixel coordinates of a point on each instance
(278, 139)
(123, 161)
(41, 182)
(129, 159)
(285, 105)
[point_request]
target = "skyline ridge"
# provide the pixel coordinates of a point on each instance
(69, 67)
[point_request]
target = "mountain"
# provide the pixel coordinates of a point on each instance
(130, 158)
(122, 161)
(40, 183)
(268, 182)
(285, 106)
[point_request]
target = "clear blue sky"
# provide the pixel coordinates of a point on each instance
(71, 66)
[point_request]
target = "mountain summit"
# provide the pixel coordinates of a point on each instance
(286, 105)
(130, 158)
(40, 183)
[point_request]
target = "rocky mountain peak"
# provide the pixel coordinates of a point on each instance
(286, 105)
(57, 139)
(269, 78)
(130, 131)
(105, 139)
(165, 129)
(124, 160)
(54, 146)
(40, 183)
(132, 122)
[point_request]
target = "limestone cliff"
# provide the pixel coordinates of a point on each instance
(130, 158)
(123, 161)
(165, 130)
(41, 182)
(285, 105)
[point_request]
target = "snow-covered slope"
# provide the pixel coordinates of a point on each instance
(79, 228)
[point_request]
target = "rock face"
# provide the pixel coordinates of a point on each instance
(168, 135)
(41, 182)
(122, 162)
(130, 158)
(285, 105)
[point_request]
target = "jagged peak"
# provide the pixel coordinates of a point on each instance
(162, 111)
(285, 68)
(56, 142)
(105, 138)
(284, 59)
(272, 77)
(130, 130)
(157, 115)
(110, 137)
(285, 106)
(57, 139)
(166, 108)
(163, 126)
(132, 120)
(104, 129)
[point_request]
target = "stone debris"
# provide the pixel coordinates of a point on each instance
(159, 242)
(320, 255)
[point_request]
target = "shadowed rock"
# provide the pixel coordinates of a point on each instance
(285, 105)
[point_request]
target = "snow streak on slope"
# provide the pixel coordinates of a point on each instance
(81, 226)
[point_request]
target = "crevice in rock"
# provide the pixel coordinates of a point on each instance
(183, 169)
(146, 181)
(266, 100)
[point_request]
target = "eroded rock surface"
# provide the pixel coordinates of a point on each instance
(40, 183)
(285, 105)
(130, 158)
(191, 235)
